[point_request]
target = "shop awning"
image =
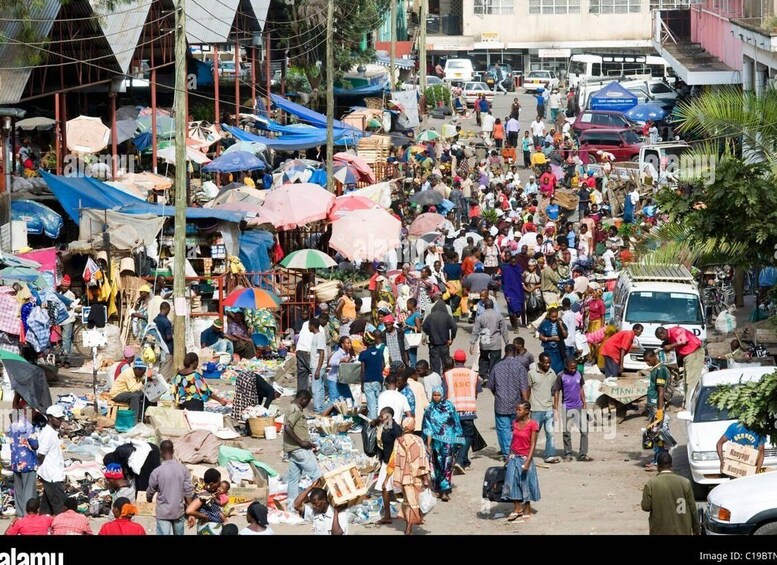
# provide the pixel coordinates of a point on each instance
(76, 193)
(312, 138)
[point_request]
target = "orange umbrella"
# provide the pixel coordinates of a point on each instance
(358, 163)
(253, 299)
(366, 235)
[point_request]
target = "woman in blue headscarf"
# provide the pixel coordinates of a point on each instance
(443, 433)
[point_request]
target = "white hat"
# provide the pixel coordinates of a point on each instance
(56, 411)
(593, 285)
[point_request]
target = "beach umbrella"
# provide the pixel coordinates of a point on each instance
(366, 235)
(295, 170)
(168, 154)
(645, 112)
(252, 298)
(428, 135)
(300, 204)
(308, 259)
(426, 223)
(246, 146)
(125, 129)
(127, 113)
(165, 125)
(39, 123)
(86, 134)
(202, 134)
(350, 203)
(368, 175)
(345, 174)
(234, 162)
(427, 198)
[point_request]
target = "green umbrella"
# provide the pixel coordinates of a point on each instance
(7, 355)
(308, 259)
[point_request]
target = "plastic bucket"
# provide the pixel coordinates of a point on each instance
(125, 420)
(260, 340)
(270, 432)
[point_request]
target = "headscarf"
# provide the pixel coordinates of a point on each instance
(369, 339)
(438, 389)
(408, 424)
(441, 421)
(128, 511)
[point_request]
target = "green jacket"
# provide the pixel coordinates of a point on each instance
(669, 499)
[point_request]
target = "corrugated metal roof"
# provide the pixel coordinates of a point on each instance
(13, 81)
(261, 7)
(123, 29)
(209, 23)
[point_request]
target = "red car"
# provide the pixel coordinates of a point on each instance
(602, 119)
(623, 143)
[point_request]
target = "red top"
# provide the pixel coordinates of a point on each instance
(619, 341)
(521, 443)
(596, 309)
(680, 335)
(121, 527)
(31, 525)
(468, 266)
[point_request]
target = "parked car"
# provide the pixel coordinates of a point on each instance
(540, 79)
(473, 89)
(623, 143)
(508, 80)
(657, 89)
(458, 71)
(705, 424)
(598, 119)
(432, 80)
(227, 70)
(739, 507)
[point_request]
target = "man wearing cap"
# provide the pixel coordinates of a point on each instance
(67, 325)
(461, 386)
(128, 388)
(117, 483)
(395, 341)
(128, 356)
(214, 338)
(51, 463)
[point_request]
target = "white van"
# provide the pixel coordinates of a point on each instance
(654, 296)
(458, 70)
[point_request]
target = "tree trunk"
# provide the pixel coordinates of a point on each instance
(739, 287)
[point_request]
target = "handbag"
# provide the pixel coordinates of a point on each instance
(413, 339)
(478, 442)
(349, 373)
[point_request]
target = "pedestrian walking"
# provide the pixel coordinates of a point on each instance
(461, 385)
(488, 332)
(542, 380)
(569, 391)
(669, 499)
(509, 382)
(172, 483)
(440, 328)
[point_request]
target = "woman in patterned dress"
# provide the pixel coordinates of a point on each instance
(442, 430)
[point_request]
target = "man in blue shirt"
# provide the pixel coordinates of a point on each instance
(164, 327)
(552, 210)
(372, 361)
(214, 338)
(742, 435)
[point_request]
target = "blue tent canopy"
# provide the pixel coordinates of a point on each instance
(613, 97)
(234, 162)
(307, 115)
(75, 193)
(296, 142)
(40, 218)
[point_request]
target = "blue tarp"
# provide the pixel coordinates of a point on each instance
(255, 247)
(40, 218)
(315, 138)
(362, 91)
(613, 97)
(307, 115)
(75, 193)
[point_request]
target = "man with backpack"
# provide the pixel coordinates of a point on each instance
(659, 388)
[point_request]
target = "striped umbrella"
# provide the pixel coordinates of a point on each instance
(345, 174)
(308, 259)
(252, 298)
(428, 135)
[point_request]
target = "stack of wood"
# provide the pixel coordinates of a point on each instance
(374, 149)
(567, 199)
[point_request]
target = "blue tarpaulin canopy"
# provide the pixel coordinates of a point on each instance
(314, 138)
(306, 115)
(40, 218)
(613, 97)
(255, 246)
(75, 193)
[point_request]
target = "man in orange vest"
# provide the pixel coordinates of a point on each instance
(461, 386)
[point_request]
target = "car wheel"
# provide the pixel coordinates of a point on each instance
(635, 159)
(700, 492)
(769, 529)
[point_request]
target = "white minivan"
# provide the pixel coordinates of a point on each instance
(655, 296)
(458, 70)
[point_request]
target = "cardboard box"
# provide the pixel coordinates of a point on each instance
(247, 495)
(739, 460)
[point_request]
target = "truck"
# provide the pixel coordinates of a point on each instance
(657, 160)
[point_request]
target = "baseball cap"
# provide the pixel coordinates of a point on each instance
(459, 355)
(144, 288)
(388, 319)
(113, 471)
(55, 411)
(65, 280)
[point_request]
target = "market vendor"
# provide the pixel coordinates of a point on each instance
(740, 434)
(140, 315)
(117, 483)
(346, 307)
(214, 338)
(690, 353)
(238, 334)
(128, 356)
(190, 390)
(128, 387)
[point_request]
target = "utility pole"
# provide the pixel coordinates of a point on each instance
(330, 96)
(181, 187)
(422, 47)
(393, 45)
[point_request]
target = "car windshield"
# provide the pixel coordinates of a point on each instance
(538, 74)
(663, 308)
(630, 137)
(706, 412)
(475, 86)
(456, 64)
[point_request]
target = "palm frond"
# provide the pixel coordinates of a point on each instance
(673, 243)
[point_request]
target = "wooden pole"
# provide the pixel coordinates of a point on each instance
(330, 96)
(393, 45)
(422, 47)
(253, 76)
(181, 188)
(217, 108)
(153, 121)
(237, 83)
(114, 141)
(267, 70)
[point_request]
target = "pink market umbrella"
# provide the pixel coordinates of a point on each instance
(350, 203)
(426, 223)
(358, 163)
(255, 215)
(366, 235)
(299, 204)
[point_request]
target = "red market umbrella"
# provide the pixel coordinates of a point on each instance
(299, 204)
(426, 223)
(366, 235)
(350, 203)
(252, 298)
(358, 163)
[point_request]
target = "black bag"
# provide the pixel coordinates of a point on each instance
(370, 440)
(493, 482)
(478, 442)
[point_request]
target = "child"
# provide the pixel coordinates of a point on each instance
(222, 494)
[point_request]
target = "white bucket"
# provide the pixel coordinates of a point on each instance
(270, 432)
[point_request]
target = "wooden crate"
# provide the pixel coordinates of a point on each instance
(374, 149)
(345, 484)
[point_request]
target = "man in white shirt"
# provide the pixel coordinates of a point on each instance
(392, 398)
(318, 362)
(487, 123)
(554, 103)
(51, 463)
(313, 505)
(609, 261)
(431, 379)
(538, 131)
(513, 129)
(569, 320)
(305, 344)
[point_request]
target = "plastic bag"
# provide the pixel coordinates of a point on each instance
(426, 501)
(726, 322)
(370, 440)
